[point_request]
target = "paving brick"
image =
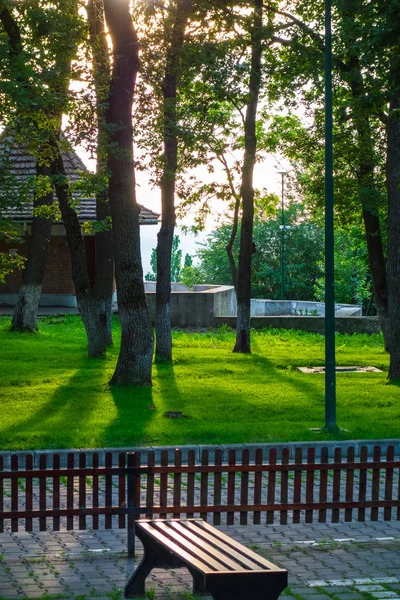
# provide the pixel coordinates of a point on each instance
(81, 572)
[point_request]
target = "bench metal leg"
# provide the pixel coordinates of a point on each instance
(135, 586)
(243, 588)
(198, 583)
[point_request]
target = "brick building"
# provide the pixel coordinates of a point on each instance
(58, 287)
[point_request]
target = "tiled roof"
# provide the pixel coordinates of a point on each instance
(22, 166)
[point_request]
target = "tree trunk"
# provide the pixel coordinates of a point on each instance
(104, 275)
(247, 190)
(88, 306)
(377, 265)
(367, 194)
(135, 357)
(166, 233)
(393, 242)
(25, 311)
(230, 244)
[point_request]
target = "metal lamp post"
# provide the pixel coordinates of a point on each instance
(282, 174)
(330, 361)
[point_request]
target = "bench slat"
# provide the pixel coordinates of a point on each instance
(216, 550)
(251, 564)
(236, 545)
(218, 562)
(205, 565)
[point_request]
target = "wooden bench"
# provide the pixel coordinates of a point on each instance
(219, 566)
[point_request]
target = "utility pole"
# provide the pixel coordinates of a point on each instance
(282, 174)
(330, 361)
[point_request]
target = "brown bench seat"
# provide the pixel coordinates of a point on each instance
(219, 565)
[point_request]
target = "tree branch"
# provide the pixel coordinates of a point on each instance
(229, 246)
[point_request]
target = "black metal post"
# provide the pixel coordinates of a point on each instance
(330, 362)
(130, 505)
(283, 173)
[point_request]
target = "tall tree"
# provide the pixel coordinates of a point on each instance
(168, 180)
(25, 311)
(136, 352)
(104, 260)
(89, 307)
(243, 291)
(358, 110)
(391, 38)
(352, 73)
(42, 126)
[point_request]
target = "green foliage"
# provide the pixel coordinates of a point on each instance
(90, 185)
(303, 244)
(304, 259)
(352, 281)
(91, 227)
(191, 275)
(36, 71)
(152, 275)
(176, 262)
(188, 262)
(9, 262)
(361, 68)
(53, 396)
(35, 62)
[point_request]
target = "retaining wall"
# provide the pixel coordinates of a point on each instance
(271, 308)
(196, 308)
(312, 324)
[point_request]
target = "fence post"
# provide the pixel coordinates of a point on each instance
(131, 504)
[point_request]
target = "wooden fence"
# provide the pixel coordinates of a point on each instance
(235, 490)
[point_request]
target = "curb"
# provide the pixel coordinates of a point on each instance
(198, 449)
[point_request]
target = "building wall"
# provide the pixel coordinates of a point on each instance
(57, 276)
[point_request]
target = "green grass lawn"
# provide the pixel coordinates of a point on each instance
(53, 396)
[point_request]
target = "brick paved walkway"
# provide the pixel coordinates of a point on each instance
(346, 561)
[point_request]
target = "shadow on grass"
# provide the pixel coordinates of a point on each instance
(294, 380)
(134, 407)
(393, 382)
(168, 388)
(62, 422)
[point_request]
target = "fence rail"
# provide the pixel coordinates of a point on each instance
(237, 489)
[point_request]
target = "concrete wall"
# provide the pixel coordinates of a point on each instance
(187, 309)
(311, 324)
(150, 286)
(266, 308)
(224, 299)
(195, 308)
